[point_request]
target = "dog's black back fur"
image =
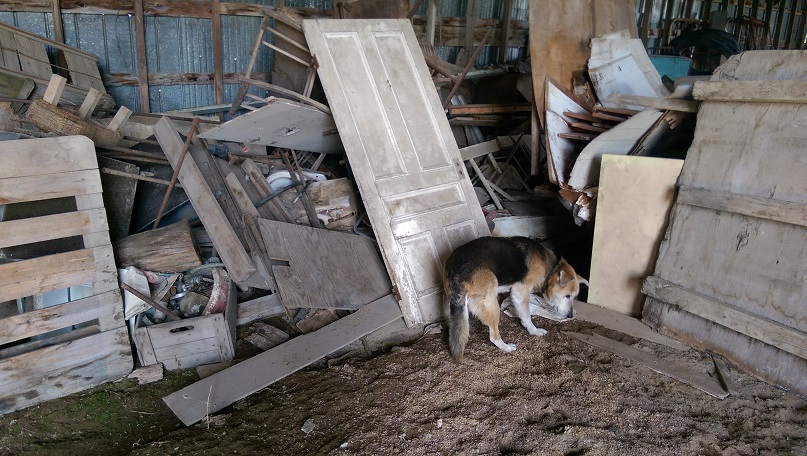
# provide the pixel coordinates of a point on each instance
(505, 257)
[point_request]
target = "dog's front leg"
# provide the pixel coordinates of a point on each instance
(520, 296)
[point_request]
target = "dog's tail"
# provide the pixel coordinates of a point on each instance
(457, 323)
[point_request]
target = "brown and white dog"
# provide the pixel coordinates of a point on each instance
(478, 271)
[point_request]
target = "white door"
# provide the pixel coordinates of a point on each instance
(399, 143)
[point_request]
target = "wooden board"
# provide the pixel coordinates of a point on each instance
(282, 123)
(213, 393)
(625, 324)
(633, 203)
(619, 140)
(49, 365)
(560, 32)
(327, 269)
(260, 309)
(407, 165)
(239, 264)
(699, 380)
(735, 279)
(561, 152)
(669, 104)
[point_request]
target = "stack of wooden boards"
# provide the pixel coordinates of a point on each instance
(730, 273)
(51, 349)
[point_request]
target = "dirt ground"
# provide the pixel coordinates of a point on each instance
(553, 396)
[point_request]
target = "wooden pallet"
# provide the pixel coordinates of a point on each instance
(52, 351)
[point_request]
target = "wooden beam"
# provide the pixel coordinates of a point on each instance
(755, 8)
(58, 27)
(142, 67)
(751, 91)
(790, 22)
(504, 38)
(120, 118)
(470, 15)
(431, 21)
(54, 90)
(89, 104)
(757, 327)
(218, 53)
(764, 208)
(644, 30)
(681, 373)
(213, 393)
(800, 32)
(780, 17)
(670, 104)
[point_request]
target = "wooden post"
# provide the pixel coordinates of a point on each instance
(470, 14)
(800, 32)
(645, 30)
(218, 54)
(668, 18)
(707, 10)
(780, 18)
(58, 27)
(755, 8)
(768, 17)
(724, 5)
(431, 21)
(142, 67)
(507, 14)
(793, 7)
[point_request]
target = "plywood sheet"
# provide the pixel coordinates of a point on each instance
(282, 123)
(407, 164)
(560, 32)
(633, 203)
(327, 269)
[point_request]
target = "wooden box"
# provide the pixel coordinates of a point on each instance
(191, 342)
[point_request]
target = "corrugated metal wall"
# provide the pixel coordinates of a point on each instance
(184, 45)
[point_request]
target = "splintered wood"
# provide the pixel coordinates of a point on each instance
(65, 332)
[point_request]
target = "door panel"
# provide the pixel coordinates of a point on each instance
(403, 154)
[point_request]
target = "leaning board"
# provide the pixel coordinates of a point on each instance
(49, 351)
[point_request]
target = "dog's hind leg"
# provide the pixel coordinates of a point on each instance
(485, 306)
(520, 296)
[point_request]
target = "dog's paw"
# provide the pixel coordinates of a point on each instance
(504, 346)
(537, 331)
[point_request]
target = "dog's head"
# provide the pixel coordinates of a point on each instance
(562, 288)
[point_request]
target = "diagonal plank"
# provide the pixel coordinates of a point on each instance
(213, 393)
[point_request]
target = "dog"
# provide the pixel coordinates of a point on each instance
(478, 271)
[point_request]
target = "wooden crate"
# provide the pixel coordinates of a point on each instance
(51, 351)
(190, 342)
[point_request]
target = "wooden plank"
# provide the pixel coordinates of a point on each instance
(765, 208)
(475, 109)
(239, 263)
(40, 156)
(260, 309)
(669, 104)
(57, 271)
(120, 118)
(142, 66)
(623, 323)
(663, 366)
(33, 57)
(561, 109)
(633, 204)
(33, 36)
(619, 140)
(282, 123)
(327, 269)
(560, 33)
(63, 369)
(57, 226)
(89, 104)
(751, 91)
(218, 52)
(414, 187)
(578, 136)
(286, 92)
(107, 307)
(55, 88)
(213, 393)
(783, 337)
(8, 53)
(15, 190)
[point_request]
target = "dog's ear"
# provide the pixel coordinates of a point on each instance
(581, 280)
(562, 277)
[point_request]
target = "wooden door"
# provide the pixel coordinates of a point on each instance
(399, 144)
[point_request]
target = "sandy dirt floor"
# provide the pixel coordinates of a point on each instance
(553, 396)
